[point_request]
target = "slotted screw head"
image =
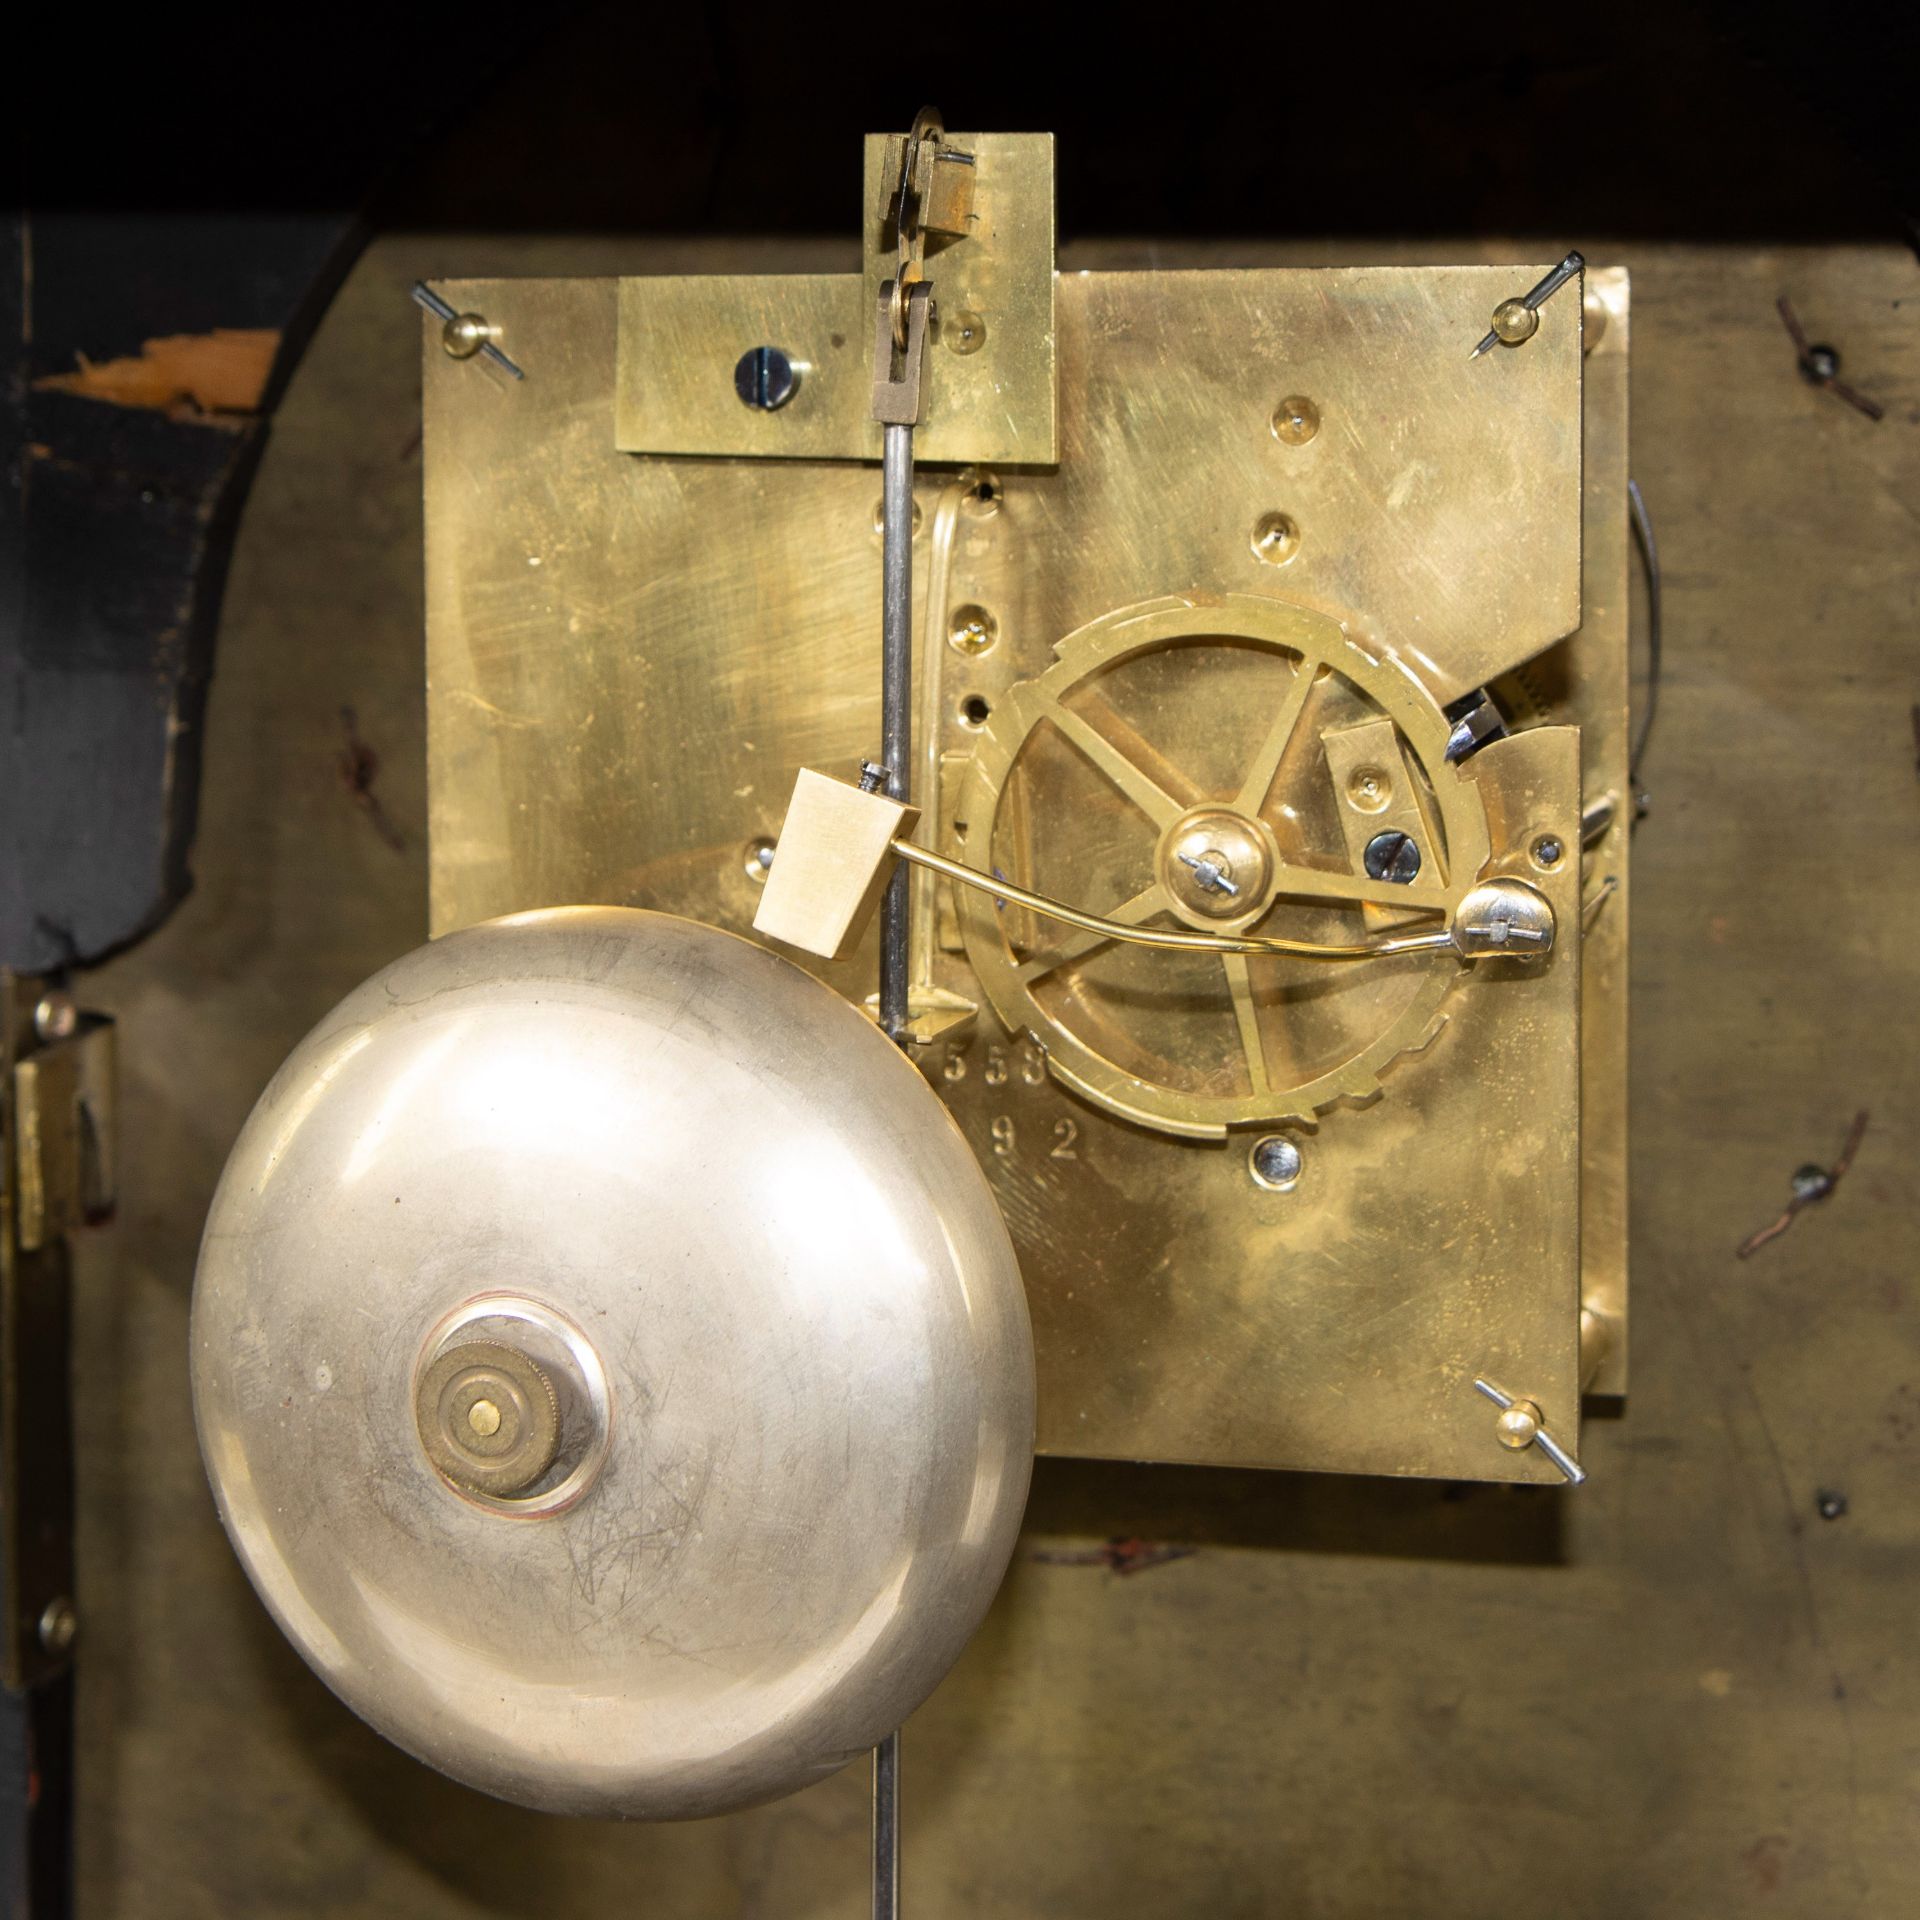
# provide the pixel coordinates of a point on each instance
(1393, 856)
(765, 379)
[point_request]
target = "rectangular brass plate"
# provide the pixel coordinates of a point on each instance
(630, 657)
(680, 337)
(1587, 681)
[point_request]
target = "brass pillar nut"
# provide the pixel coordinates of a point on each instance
(488, 1418)
(1515, 321)
(464, 335)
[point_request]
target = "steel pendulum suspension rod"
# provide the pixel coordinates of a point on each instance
(896, 747)
(897, 406)
(896, 711)
(899, 346)
(886, 1828)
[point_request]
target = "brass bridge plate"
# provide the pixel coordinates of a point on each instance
(992, 396)
(631, 655)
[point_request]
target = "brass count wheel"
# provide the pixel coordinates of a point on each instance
(1232, 765)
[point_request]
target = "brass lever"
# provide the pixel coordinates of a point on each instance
(833, 859)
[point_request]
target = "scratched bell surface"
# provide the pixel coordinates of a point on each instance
(612, 1368)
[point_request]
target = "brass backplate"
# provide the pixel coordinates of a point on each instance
(630, 656)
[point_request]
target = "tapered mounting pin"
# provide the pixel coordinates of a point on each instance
(1522, 1425)
(463, 334)
(1516, 321)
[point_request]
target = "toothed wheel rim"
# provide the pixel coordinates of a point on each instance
(1012, 962)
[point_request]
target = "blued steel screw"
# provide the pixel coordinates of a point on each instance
(764, 378)
(1276, 1162)
(1393, 856)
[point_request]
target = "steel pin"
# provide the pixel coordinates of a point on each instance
(440, 310)
(1531, 303)
(1209, 874)
(1531, 1431)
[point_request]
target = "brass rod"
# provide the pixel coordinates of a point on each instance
(1438, 940)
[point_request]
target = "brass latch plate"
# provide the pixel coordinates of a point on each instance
(993, 399)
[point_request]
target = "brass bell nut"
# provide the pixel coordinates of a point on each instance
(488, 1419)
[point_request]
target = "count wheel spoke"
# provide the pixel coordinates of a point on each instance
(1247, 1015)
(1134, 781)
(1279, 736)
(1132, 913)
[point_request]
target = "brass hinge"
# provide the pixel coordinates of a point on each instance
(63, 1099)
(56, 1173)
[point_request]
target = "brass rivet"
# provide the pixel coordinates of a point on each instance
(1369, 789)
(1276, 539)
(1295, 420)
(972, 630)
(484, 1418)
(963, 330)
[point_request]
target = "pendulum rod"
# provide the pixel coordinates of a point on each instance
(899, 344)
(886, 1828)
(896, 708)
